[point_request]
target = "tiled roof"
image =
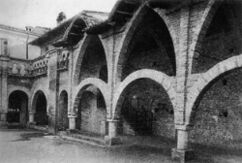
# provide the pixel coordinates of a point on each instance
(92, 22)
(124, 10)
(70, 31)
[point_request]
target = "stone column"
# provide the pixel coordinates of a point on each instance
(182, 152)
(103, 127)
(112, 128)
(3, 120)
(72, 122)
(182, 139)
(31, 117)
(111, 138)
(3, 117)
(53, 90)
(4, 59)
(71, 113)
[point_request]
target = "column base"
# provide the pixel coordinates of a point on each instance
(3, 124)
(182, 155)
(3, 120)
(3, 117)
(30, 124)
(112, 141)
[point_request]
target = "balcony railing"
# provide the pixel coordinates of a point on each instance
(39, 66)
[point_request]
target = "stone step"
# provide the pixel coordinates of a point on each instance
(41, 128)
(6, 125)
(15, 126)
(87, 139)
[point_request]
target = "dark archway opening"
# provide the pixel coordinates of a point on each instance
(92, 112)
(63, 111)
(217, 115)
(94, 61)
(40, 105)
(146, 110)
(18, 108)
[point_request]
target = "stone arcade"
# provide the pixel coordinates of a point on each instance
(156, 67)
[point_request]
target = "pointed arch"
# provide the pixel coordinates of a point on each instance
(18, 107)
(18, 88)
(156, 76)
(39, 107)
(206, 79)
(130, 32)
(101, 85)
(206, 51)
(91, 58)
(91, 106)
(144, 103)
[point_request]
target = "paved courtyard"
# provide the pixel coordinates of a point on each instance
(30, 146)
(35, 147)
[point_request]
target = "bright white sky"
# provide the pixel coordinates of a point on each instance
(21, 13)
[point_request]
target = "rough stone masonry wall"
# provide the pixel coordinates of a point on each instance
(40, 83)
(146, 110)
(148, 59)
(216, 48)
(91, 115)
(150, 47)
(19, 82)
(93, 60)
(221, 41)
(63, 82)
(219, 115)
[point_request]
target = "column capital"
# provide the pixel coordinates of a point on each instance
(113, 120)
(31, 112)
(4, 58)
(3, 111)
(184, 127)
(72, 115)
(111, 138)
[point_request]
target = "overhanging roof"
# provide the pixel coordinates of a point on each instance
(70, 31)
(124, 10)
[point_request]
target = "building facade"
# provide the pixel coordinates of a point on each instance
(161, 68)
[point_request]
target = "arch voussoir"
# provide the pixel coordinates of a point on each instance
(206, 78)
(98, 83)
(159, 77)
(238, 61)
(101, 85)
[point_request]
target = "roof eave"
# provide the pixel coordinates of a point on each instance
(99, 28)
(117, 10)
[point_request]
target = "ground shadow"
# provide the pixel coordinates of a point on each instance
(28, 136)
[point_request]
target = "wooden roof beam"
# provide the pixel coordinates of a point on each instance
(75, 34)
(124, 13)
